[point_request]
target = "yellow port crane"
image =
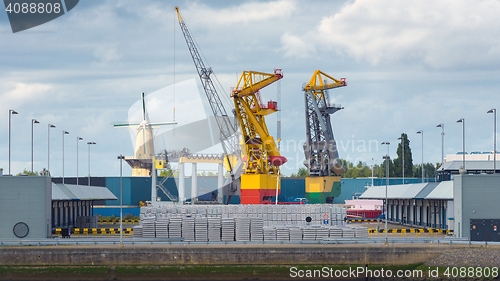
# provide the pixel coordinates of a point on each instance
(320, 149)
(259, 182)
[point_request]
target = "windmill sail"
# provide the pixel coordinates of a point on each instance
(144, 143)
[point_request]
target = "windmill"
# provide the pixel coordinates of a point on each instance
(144, 150)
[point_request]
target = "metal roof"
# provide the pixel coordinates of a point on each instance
(399, 191)
(444, 190)
(412, 190)
(476, 165)
(60, 194)
(80, 192)
(426, 190)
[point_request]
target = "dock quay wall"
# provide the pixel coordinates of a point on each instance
(214, 255)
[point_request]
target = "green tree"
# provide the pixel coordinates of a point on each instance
(168, 173)
(301, 173)
(361, 170)
(366, 171)
(408, 159)
(379, 171)
(383, 167)
(28, 173)
(208, 174)
(430, 170)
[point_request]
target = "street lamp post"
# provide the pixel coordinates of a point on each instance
(387, 157)
(10, 114)
(462, 120)
(442, 140)
(121, 157)
(403, 158)
(89, 143)
(494, 111)
(373, 160)
(48, 147)
(422, 133)
(78, 139)
(33, 121)
(63, 133)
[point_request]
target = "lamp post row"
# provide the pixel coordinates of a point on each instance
(441, 125)
(461, 120)
(49, 126)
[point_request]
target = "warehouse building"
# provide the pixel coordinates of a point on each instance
(418, 205)
(477, 212)
(466, 202)
(31, 207)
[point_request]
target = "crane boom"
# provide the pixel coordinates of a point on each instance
(262, 155)
(319, 82)
(251, 82)
(226, 127)
(320, 149)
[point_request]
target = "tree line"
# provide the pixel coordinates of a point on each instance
(363, 170)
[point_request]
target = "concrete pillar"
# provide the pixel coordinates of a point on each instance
(71, 213)
(194, 183)
(60, 221)
(66, 214)
(55, 216)
(437, 211)
(425, 208)
(182, 187)
(153, 184)
(220, 182)
(79, 209)
(87, 208)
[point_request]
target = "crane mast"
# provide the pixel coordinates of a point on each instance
(320, 149)
(227, 130)
(260, 180)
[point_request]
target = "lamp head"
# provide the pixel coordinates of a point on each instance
(461, 120)
(12, 111)
(34, 121)
(493, 110)
(420, 132)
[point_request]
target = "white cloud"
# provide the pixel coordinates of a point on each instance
(247, 12)
(440, 35)
(294, 46)
(409, 66)
(106, 54)
(22, 93)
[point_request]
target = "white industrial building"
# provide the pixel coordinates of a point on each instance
(32, 206)
(467, 203)
(419, 205)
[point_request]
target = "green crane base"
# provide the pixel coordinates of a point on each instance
(322, 190)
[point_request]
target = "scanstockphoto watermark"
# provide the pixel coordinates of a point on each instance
(26, 14)
(355, 272)
(342, 146)
(353, 151)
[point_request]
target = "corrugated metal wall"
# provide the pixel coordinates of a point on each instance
(26, 200)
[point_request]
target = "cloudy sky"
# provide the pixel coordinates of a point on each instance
(410, 65)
